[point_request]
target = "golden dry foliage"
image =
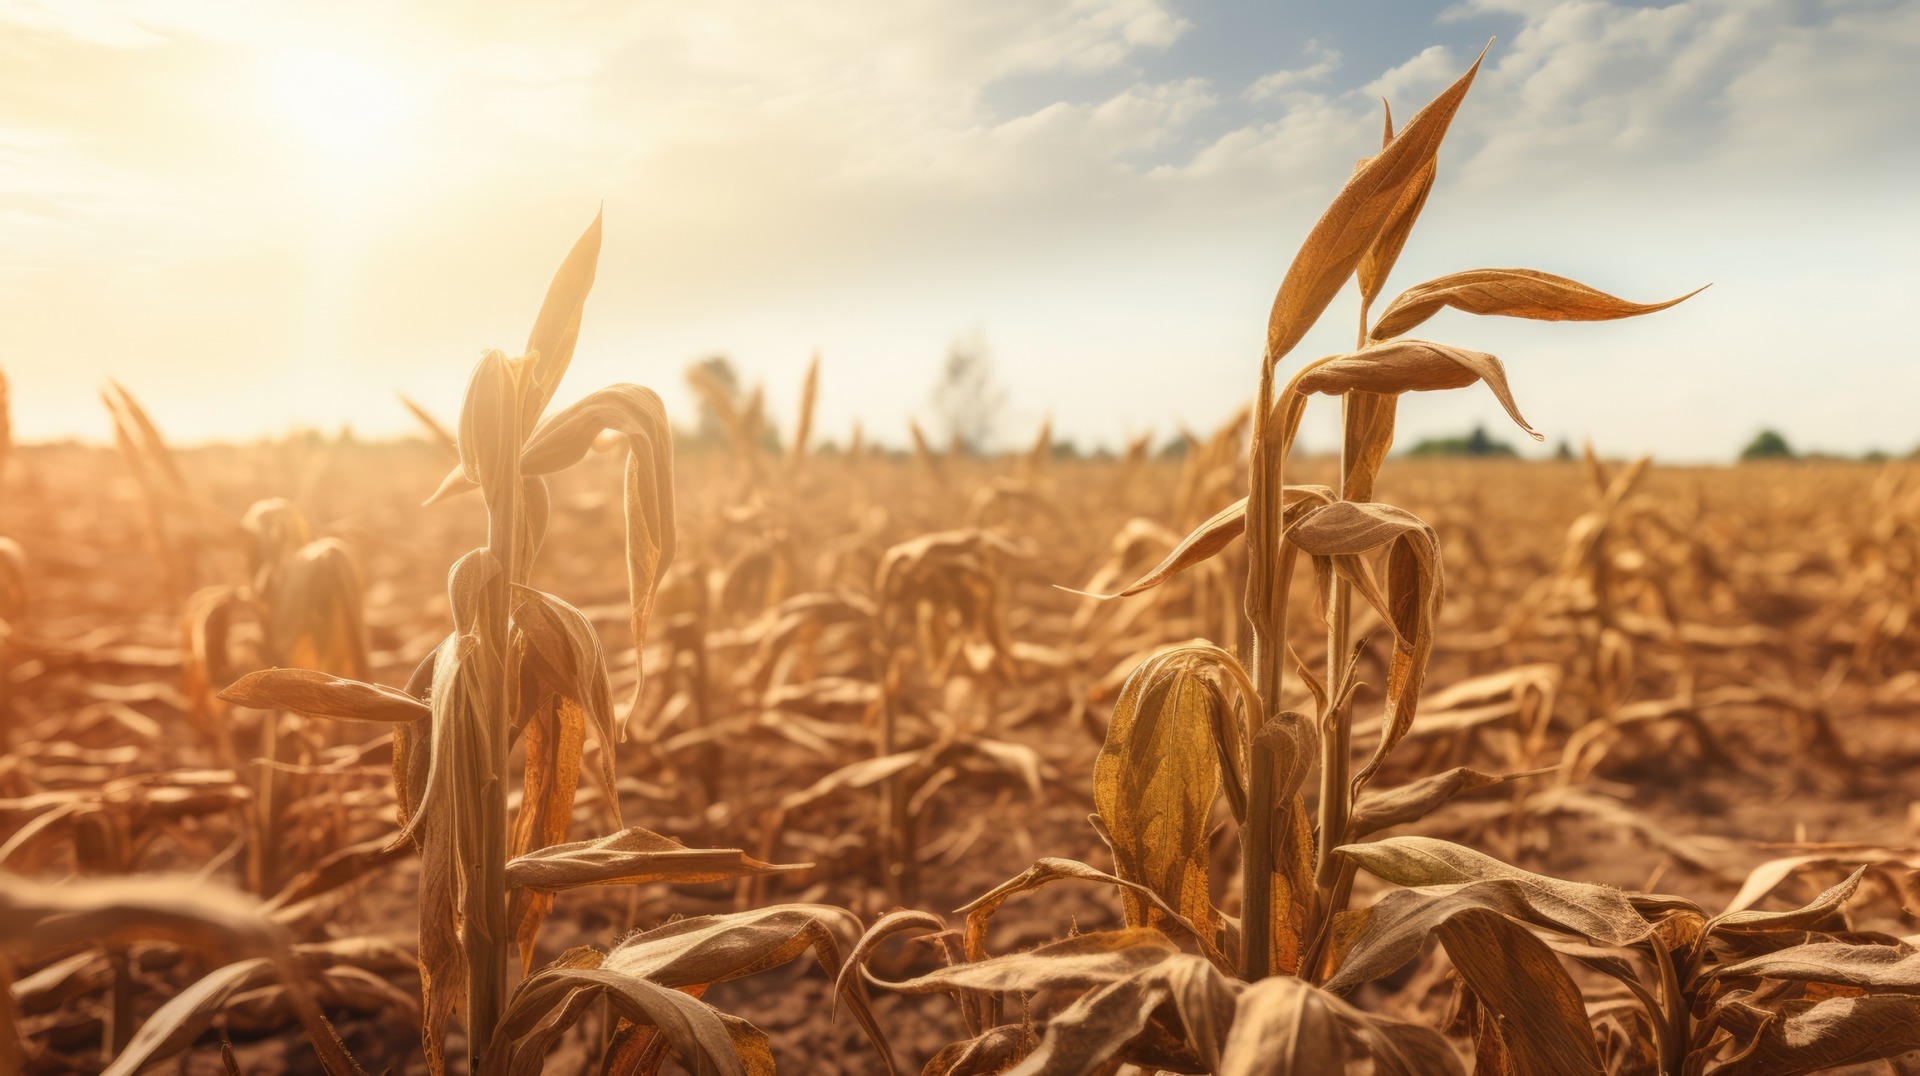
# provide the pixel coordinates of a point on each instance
(1350, 768)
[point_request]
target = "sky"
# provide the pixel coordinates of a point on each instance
(266, 216)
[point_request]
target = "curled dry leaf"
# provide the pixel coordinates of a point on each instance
(556, 329)
(205, 919)
(319, 694)
(1513, 293)
(1158, 774)
(1346, 530)
(1208, 540)
(1398, 366)
(1282, 1025)
(1417, 799)
(1814, 1036)
(1135, 1019)
(1047, 871)
(1378, 940)
(651, 979)
(633, 856)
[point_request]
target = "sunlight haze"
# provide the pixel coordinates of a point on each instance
(312, 207)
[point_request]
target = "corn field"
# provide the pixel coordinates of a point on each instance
(1240, 760)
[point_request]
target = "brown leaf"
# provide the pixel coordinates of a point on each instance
(1514, 293)
(1749, 922)
(1808, 1036)
(1542, 1017)
(1284, 1025)
(1415, 591)
(1049, 870)
(1078, 962)
(1158, 773)
(1417, 799)
(1350, 226)
(1398, 366)
(1378, 940)
(633, 856)
(319, 694)
(1593, 911)
(1099, 1026)
(556, 328)
(1877, 969)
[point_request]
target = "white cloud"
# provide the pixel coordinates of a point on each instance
(781, 176)
(1267, 87)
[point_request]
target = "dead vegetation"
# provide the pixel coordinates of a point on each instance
(1431, 767)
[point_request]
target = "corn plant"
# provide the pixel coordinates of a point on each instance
(522, 664)
(1186, 986)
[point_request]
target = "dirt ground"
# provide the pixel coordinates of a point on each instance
(1739, 690)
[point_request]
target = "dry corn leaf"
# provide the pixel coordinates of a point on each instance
(1815, 1036)
(185, 911)
(1398, 366)
(1378, 261)
(1049, 870)
(1349, 227)
(633, 856)
(1513, 293)
(1876, 969)
(1541, 1015)
(317, 620)
(1158, 773)
(1593, 911)
(1378, 940)
(556, 329)
(1416, 799)
(320, 694)
(638, 976)
(1283, 1026)
(990, 1052)
(1099, 1026)
(1079, 962)
(1209, 539)
(1411, 605)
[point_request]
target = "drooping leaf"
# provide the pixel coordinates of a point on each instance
(1542, 1017)
(1815, 1036)
(1049, 870)
(1594, 911)
(1398, 366)
(1284, 1025)
(1415, 590)
(633, 856)
(1102, 1023)
(1380, 939)
(1158, 773)
(320, 694)
(1417, 799)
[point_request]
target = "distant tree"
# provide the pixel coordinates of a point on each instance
(966, 401)
(1767, 445)
(1562, 450)
(719, 375)
(1477, 443)
(1176, 447)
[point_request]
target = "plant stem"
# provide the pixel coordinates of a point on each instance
(488, 935)
(1266, 511)
(1337, 729)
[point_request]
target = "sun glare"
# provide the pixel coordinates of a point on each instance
(337, 101)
